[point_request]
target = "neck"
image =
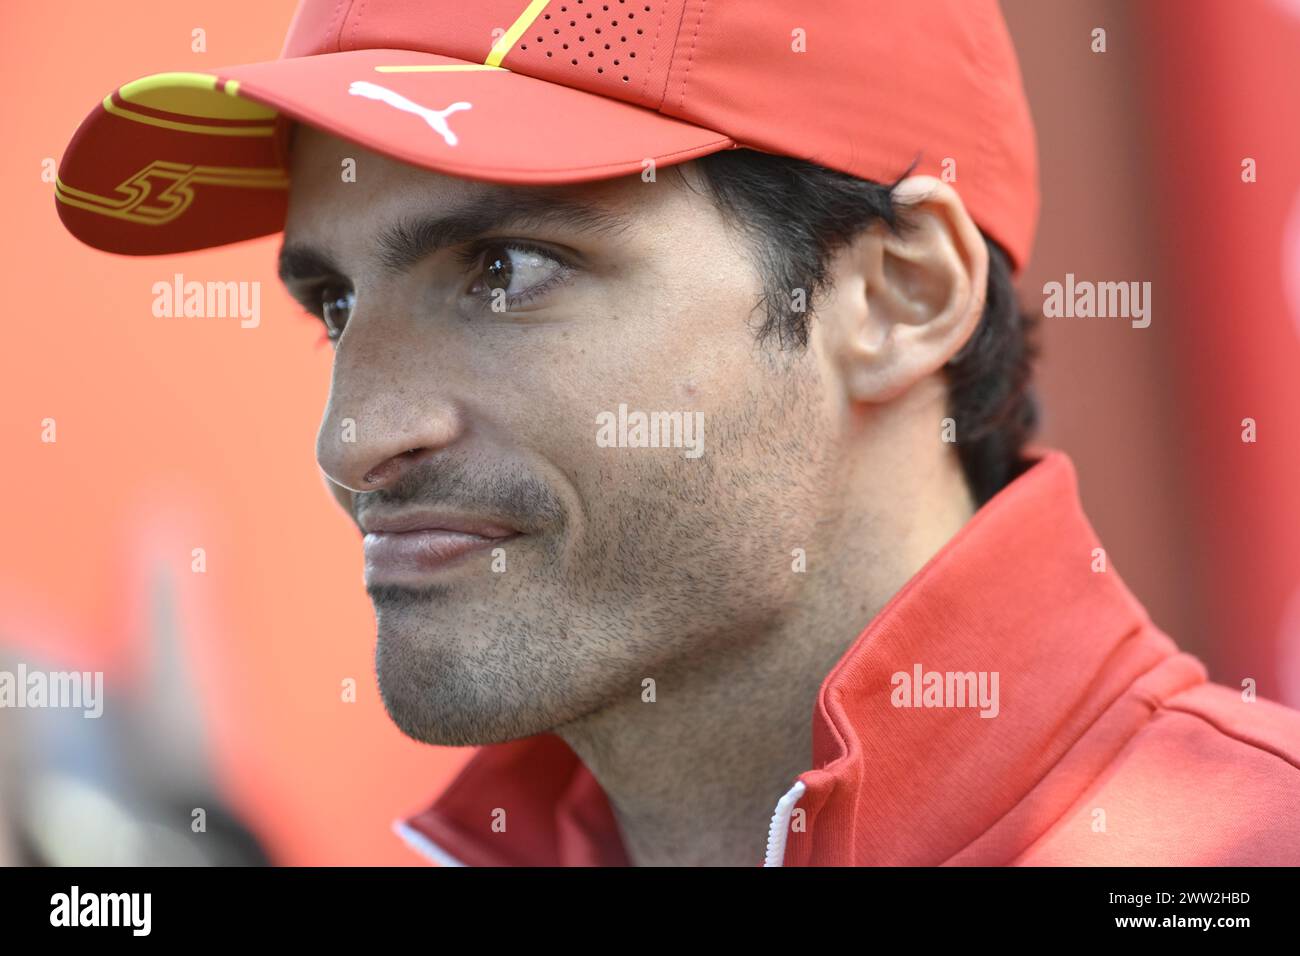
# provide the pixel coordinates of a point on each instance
(694, 777)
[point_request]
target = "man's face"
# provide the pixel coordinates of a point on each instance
(541, 576)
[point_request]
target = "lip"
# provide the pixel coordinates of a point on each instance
(412, 547)
(400, 521)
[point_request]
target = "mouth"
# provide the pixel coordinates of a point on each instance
(413, 548)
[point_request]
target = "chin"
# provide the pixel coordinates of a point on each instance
(460, 682)
(459, 668)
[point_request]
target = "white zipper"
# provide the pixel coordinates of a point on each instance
(422, 845)
(779, 830)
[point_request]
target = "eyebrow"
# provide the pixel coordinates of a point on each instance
(409, 240)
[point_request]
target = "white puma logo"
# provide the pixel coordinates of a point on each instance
(437, 119)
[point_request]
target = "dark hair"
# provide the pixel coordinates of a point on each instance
(797, 214)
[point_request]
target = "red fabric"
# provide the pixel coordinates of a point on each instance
(1098, 711)
(593, 90)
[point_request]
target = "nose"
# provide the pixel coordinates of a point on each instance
(369, 442)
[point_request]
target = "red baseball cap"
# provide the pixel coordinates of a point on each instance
(563, 91)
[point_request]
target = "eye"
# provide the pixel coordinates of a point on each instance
(507, 274)
(336, 305)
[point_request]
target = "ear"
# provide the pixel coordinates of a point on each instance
(906, 303)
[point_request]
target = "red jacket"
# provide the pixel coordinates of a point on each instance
(1108, 745)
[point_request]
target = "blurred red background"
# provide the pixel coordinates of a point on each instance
(175, 435)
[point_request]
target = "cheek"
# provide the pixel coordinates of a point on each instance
(672, 342)
(685, 348)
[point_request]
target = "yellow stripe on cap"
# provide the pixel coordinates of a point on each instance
(192, 95)
(439, 68)
(511, 36)
(163, 190)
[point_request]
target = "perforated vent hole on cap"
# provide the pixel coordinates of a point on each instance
(599, 36)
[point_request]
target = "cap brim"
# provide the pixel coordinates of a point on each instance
(181, 161)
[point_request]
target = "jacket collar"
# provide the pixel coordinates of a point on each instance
(1020, 591)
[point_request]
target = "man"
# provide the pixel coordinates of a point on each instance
(679, 391)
